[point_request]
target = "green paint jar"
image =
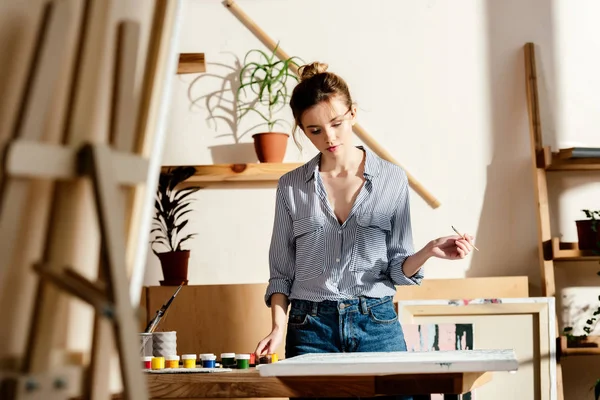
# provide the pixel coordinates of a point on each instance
(228, 360)
(242, 361)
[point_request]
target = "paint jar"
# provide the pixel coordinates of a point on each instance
(147, 362)
(208, 360)
(228, 360)
(252, 359)
(242, 361)
(146, 345)
(172, 361)
(274, 358)
(158, 362)
(189, 360)
(164, 343)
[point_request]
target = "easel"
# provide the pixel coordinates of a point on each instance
(128, 160)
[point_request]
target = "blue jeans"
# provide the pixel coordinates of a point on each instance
(344, 326)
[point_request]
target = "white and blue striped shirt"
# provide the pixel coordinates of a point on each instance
(314, 257)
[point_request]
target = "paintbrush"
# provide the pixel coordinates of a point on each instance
(463, 236)
(159, 314)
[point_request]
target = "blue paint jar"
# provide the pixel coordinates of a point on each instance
(208, 360)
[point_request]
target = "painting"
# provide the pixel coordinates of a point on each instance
(525, 325)
(435, 337)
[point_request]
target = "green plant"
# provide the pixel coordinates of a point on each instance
(171, 205)
(268, 79)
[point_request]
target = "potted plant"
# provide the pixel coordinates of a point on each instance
(171, 205)
(588, 232)
(267, 80)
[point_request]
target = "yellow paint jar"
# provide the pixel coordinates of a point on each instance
(172, 361)
(189, 360)
(158, 363)
(274, 357)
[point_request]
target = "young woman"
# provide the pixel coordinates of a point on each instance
(342, 236)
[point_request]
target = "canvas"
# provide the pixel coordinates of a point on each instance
(434, 337)
(525, 325)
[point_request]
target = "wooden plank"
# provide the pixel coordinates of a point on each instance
(539, 174)
(219, 173)
(110, 218)
(431, 384)
(125, 107)
(191, 63)
(249, 383)
(60, 162)
(588, 346)
(569, 251)
(574, 164)
(237, 308)
(465, 288)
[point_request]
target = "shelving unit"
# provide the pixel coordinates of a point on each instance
(551, 250)
(238, 175)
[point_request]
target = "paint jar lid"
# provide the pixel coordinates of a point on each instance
(242, 356)
(172, 358)
(188, 357)
(147, 358)
(227, 355)
(208, 356)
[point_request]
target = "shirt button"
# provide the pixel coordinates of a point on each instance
(337, 260)
(340, 231)
(342, 306)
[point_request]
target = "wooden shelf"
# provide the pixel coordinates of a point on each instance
(191, 63)
(563, 160)
(239, 175)
(589, 346)
(563, 251)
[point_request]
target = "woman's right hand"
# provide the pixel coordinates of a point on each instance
(270, 344)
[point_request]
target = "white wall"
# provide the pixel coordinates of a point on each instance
(441, 85)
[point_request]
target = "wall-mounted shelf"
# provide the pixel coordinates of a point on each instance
(569, 159)
(191, 63)
(562, 251)
(238, 175)
(588, 346)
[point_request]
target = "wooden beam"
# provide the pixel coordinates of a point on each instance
(358, 130)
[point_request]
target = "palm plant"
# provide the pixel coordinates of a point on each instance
(171, 205)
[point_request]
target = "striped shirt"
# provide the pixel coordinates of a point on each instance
(314, 257)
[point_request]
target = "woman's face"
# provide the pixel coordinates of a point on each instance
(328, 125)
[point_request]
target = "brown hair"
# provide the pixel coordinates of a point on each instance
(316, 85)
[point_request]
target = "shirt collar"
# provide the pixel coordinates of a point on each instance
(372, 165)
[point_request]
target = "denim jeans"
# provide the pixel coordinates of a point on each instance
(357, 325)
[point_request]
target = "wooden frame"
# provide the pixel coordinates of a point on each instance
(500, 315)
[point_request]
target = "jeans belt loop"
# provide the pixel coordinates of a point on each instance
(363, 306)
(314, 309)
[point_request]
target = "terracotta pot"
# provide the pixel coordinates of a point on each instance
(588, 239)
(270, 146)
(174, 266)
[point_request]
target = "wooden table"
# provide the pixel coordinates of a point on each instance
(248, 383)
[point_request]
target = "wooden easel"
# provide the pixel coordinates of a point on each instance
(126, 161)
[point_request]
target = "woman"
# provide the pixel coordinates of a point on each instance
(342, 236)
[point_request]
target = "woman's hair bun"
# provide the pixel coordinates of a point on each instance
(309, 70)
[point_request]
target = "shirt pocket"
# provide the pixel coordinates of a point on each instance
(370, 243)
(309, 235)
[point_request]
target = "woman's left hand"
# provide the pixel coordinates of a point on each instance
(452, 247)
